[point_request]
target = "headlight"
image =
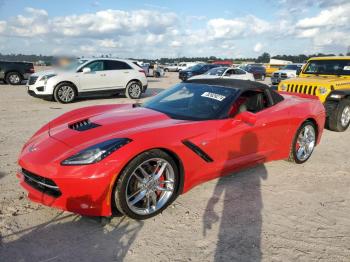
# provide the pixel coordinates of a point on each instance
(47, 77)
(96, 153)
(284, 87)
(323, 90)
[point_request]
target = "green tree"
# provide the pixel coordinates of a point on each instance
(264, 58)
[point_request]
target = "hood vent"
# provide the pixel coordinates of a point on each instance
(83, 125)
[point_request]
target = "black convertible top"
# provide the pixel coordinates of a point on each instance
(234, 83)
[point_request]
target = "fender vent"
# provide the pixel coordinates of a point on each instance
(83, 125)
(197, 151)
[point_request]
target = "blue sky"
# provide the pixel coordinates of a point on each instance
(151, 29)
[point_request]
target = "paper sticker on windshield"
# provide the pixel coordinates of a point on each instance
(213, 96)
(346, 68)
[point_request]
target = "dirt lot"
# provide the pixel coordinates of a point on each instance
(274, 212)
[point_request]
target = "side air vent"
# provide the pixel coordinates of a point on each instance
(197, 151)
(83, 125)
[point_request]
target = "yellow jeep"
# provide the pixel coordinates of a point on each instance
(329, 79)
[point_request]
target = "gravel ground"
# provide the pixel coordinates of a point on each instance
(274, 212)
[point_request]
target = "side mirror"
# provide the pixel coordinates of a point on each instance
(246, 117)
(86, 70)
(298, 71)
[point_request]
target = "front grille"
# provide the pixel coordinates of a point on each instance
(302, 89)
(41, 184)
(32, 80)
(83, 125)
(275, 74)
(283, 75)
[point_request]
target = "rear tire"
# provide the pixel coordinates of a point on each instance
(303, 143)
(338, 119)
(13, 78)
(136, 195)
(133, 90)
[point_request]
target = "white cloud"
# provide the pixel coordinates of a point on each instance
(258, 47)
(162, 33)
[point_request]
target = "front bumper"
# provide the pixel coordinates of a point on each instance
(85, 190)
(43, 96)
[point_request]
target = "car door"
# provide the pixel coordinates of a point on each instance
(95, 80)
(271, 124)
(239, 143)
(118, 74)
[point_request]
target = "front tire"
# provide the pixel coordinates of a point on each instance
(65, 93)
(13, 78)
(304, 143)
(147, 185)
(339, 118)
(133, 90)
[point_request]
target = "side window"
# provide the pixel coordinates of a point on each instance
(239, 72)
(116, 65)
(230, 72)
(95, 66)
(252, 101)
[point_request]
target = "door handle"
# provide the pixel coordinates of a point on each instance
(126, 72)
(102, 74)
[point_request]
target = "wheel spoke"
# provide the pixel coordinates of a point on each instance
(144, 173)
(137, 198)
(160, 172)
(166, 182)
(164, 189)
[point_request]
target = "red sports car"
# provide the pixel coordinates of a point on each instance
(136, 159)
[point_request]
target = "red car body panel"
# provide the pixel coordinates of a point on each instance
(232, 144)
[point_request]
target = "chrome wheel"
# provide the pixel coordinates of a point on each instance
(134, 90)
(66, 93)
(345, 116)
(14, 79)
(306, 142)
(150, 186)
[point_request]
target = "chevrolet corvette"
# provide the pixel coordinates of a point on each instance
(135, 159)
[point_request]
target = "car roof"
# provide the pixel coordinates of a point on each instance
(233, 83)
(107, 58)
(330, 58)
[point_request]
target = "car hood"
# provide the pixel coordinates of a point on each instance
(315, 79)
(92, 125)
(52, 71)
(44, 73)
(204, 77)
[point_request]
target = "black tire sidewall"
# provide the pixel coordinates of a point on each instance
(119, 190)
(294, 152)
(127, 93)
(55, 93)
(7, 80)
(334, 121)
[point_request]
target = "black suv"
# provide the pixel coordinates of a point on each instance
(195, 70)
(14, 73)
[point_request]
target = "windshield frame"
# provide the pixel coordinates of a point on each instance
(221, 113)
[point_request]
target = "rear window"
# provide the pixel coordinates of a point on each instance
(116, 65)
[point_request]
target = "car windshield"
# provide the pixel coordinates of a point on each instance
(218, 71)
(190, 101)
(74, 65)
(196, 67)
(290, 67)
(328, 67)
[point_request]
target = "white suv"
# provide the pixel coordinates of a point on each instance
(87, 77)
